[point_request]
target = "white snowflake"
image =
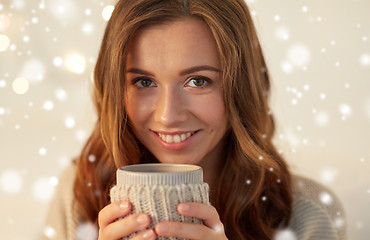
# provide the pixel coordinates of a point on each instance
(322, 119)
(282, 33)
(299, 54)
(328, 175)
(48, 105)
(43, 189)
(58, 61)
(286, 67)
(285, 234)
(50, 232)
(42, 151)
(87, 231)
(87, 28)
(326, 198)
(365, 60)
(34, 70)
(76, 63)
(11, 181)
(107, 12)
(70, 122)
(61, 94)
(345, 109)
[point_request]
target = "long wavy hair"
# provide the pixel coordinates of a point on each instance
(253, 193)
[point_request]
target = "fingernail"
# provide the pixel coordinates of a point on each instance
(184, 207)
(162, 228)
(149, 235)
(124, 205)
(142, 219)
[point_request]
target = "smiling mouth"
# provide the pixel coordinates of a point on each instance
(175, 138)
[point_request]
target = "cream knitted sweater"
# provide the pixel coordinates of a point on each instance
(317, 214)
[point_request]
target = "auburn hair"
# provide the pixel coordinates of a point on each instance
(253, 193)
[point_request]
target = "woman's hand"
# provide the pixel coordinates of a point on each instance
(115, 223)
(212, 229)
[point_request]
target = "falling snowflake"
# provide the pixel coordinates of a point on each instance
(326, 198)
(365, 60)
(50, 232)
(107, 12)
(286, 67)
(322, 119)
(92, 158)
(34, 70)
(299, 55)
(87, 28)
(70, 122)
(282, 33)
(345, 109)
(48, 105)
(61, 94)
(58, 61)
(87, 231)
(11, 181)
(285, 234)
(339, 222)
(42, 151)
(43, 189)
(328, 175)
(76, 63)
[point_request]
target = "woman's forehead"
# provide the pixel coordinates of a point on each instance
(174, 43)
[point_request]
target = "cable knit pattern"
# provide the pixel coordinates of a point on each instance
(314, 215)
(160, 201)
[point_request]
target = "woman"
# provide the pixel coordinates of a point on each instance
(182, 81)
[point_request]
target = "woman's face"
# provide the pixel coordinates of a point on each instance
(174, 97)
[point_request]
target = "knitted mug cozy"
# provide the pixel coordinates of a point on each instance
(157, 189)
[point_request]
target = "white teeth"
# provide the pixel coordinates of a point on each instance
(175, 138)
(169, 139)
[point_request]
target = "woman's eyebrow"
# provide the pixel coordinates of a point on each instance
(140, 71)
(198, 69)
(182, 73)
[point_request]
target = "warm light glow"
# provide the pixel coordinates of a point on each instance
(4, 22)
(4, 43)
(75, 63)
(20, 85)
(107, 12)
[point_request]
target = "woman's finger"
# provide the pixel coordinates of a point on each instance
(147, 235)
(207, 213)
(125, 226)
(192, 231)
(112, 212)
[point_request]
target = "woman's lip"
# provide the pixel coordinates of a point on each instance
(175, 146)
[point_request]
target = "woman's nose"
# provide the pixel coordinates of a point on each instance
(170, 109)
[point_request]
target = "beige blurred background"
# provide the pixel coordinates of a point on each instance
(318, 53)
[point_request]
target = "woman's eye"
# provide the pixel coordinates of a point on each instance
(197, 82)
(144, 83)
